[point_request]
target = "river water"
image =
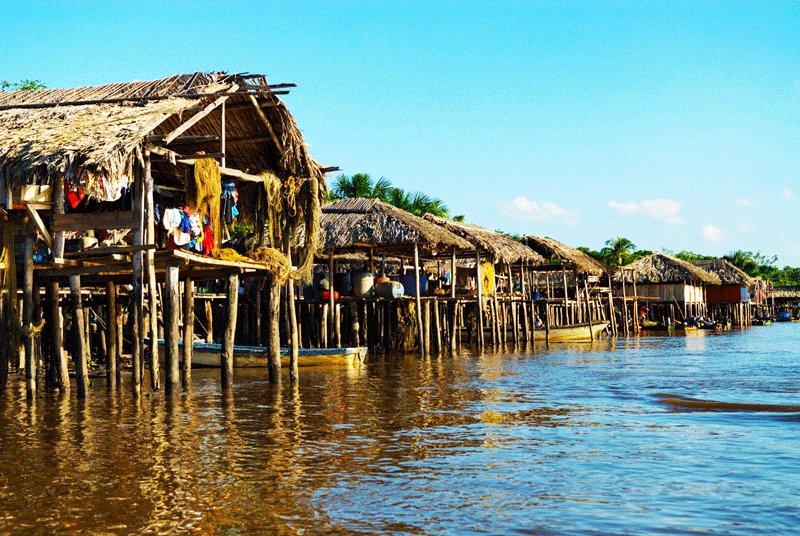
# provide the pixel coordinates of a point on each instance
(696, 433)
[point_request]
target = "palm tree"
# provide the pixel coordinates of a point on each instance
(360, 185)
(743, 260)
(618, 251)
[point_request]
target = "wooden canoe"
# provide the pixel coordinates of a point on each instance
(571, 333)
(208, 354)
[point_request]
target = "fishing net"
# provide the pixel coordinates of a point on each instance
(203, 192)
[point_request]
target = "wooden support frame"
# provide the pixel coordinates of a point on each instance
(186, 125)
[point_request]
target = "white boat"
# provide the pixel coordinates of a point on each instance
(208, 355)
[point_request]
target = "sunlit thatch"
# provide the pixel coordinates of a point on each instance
(663, 268)
(574, 258)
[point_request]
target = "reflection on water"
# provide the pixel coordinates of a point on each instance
(674, 433)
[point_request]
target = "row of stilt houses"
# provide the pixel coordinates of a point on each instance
(140, 216)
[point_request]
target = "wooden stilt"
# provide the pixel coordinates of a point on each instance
(418, 302)
(172, 311)
(150, 238)
(226, 359)
(188, 332)
(294, 335)
(137, 331)
(437, 325)
(27, 313)
(331, 307)
(81, 351)
(479, 290)
(209, 318)
(426, 320)
(324, 325)
(274, 343)
(112, 359)
(453, 307)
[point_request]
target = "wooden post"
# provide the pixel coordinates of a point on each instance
(136, 289)
(324, 325)
(338, 318)
(454, 312)
(80, 357)
(356, 327)
(188, 331)
(149, 209)
(331, 307)
(274, 353)
(547, 323)
(588, 310)
(27, 312)
(112, 359)
(624, 303)
(437, 324)
(635, 304)
(172, 310)
(294, 351)
(418, 301)
(209, 314)
(426, 320)
(226, 359)
(479, 291)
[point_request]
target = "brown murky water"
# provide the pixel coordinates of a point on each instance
(618, 436)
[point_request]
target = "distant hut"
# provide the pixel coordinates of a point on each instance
(574, 278)
(503, 252)
(730, 300)
(108, 160)
(374, 227)
(667, 283)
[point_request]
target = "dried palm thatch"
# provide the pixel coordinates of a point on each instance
(352, 225)
(91, 145)
(90, 134)
(663, 268)
(728, 273)
(501, 248)
(574, 258)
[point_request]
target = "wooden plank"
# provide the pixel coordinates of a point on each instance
(128, 219)
(113, 250)
(266, 122)
(40, 226)
(186, 125)
(190, 160)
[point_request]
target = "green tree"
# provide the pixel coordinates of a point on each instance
(691, 256)
(618, 251)
(360, 185)
(22, 85)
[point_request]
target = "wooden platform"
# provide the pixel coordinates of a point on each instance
(117, 265)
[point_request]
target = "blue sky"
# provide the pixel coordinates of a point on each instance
(674, 124)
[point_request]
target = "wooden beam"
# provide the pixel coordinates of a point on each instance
(128, 219)
(190, 160)
(266, 122)
(186, 125)
(40, 226)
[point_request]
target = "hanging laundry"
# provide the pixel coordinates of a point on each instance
(229, 199)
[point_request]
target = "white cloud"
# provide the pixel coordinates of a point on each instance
(745, 227)
(788, 194)
(523, 208)
(667, 210)
(743, 202)
(712, 232)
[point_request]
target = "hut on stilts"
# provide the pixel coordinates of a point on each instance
(504, 299)
(377, 315)
(127, 194)
(728, 302)
(667, 288)
(573, 288)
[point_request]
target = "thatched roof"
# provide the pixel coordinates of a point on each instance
(351, 225)
(663, 268)
(580, 261)
(728, 273)
(90, 134)
(500, 247)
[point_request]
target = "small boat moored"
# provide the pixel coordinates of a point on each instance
(208, 355)
(571, 333)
